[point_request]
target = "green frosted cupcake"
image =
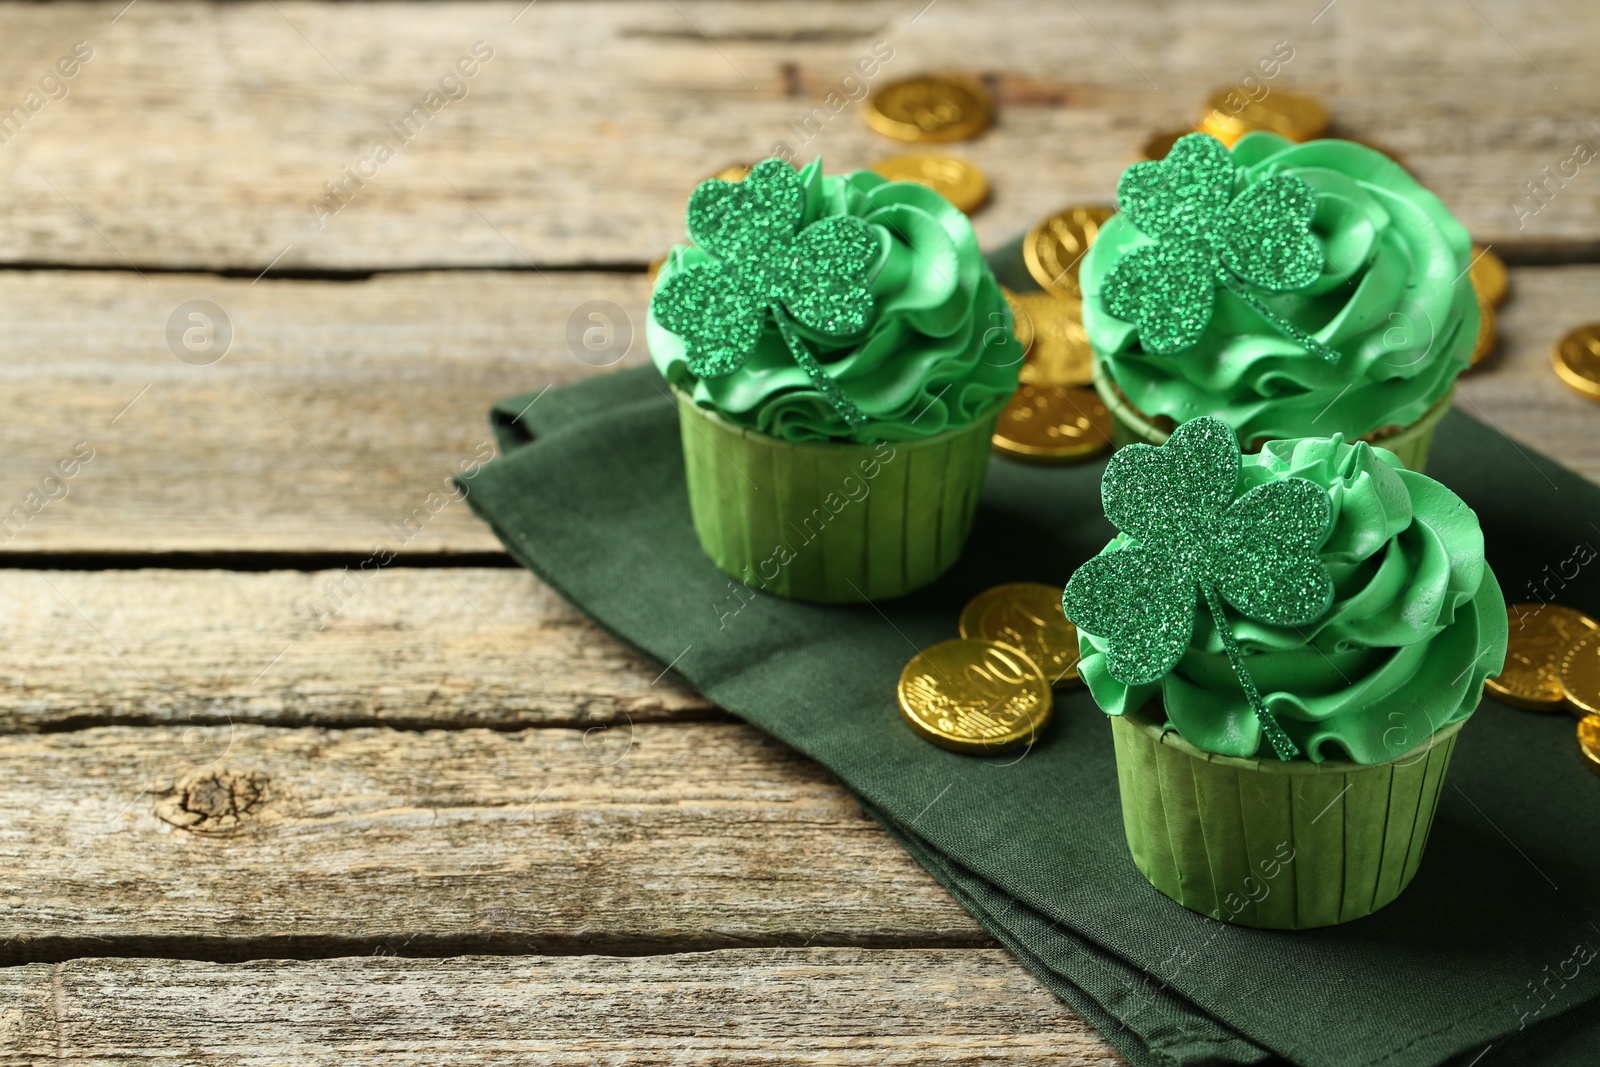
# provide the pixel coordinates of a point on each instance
(840, 352)
(1364, 336)
(1282, 734)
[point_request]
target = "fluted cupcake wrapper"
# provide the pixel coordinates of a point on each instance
(1129, 426)
(832, 522)
(1284, 845)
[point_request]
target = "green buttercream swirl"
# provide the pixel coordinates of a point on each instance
(1416, 625)
(1394, 299)
(938, 353)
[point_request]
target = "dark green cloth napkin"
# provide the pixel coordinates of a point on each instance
(589, 494)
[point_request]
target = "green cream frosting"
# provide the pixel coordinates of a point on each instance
(938, 353)
(1416, 625)
(1394, 299)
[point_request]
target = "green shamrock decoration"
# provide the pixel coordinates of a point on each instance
(1176, 505)
(1206, 237)
(767, 268)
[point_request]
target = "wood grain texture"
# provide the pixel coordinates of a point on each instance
(784, 1006)
(403, 647)
(344, 406)
(332, 424)
(1516, 391)
(252, 842)
(199, 133)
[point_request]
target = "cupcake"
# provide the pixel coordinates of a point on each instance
(1292, 290)
(1287, 644)
(840, 352)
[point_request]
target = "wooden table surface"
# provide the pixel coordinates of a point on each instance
(260, 806)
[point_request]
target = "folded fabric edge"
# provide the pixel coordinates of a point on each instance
(518, 420)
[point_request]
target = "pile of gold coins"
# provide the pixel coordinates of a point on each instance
(990, 690)
(1553, 665)
(934, 109)
(1056, 416)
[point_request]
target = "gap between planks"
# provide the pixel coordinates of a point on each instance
(842, 1006)
(314, 842)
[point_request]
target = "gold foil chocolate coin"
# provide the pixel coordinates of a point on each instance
(1589, 741)
(1231, 114)
(1054, 248)
(977, 697)
(936, 108)
(1021, 320)
(958, 181)
(1060, 353)
(1488, 331)
(1577, 360)
(737, 172)
(1053, 424)
(1158, 146)
(1540, 635)
(1489, 277)
(1026, 616)
(1580, 673)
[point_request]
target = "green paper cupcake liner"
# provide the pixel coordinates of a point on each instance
(832, 522)
(1130, 426)
(1273, 844)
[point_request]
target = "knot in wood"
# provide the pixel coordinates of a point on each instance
(214, 801)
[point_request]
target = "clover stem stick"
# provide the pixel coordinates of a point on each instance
(1281, 744)
(808, 362)
(1276, 321)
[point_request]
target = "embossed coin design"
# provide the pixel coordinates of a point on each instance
(1053, 249)
(1580, 674)
(1232, 114)
(1060, 353)
(1540, 635)
(977, 697)
(1026, 616)
(930, 108)
(1577, 360)
(957, 180)
(1589, 741)
(1489, 275)
(1053, 424)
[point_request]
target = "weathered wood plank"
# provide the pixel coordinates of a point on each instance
(578, 141)
(344, 406)
(253, 841)
(332, 424)
(784, 1006)
(402, 647)
(1517, 392)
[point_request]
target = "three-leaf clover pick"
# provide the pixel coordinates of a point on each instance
(766, 267)
(1205, 237)
(1187, 531)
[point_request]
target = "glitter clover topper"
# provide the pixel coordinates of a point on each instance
(1185, 525)
(767, 268)
(1206, 237)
